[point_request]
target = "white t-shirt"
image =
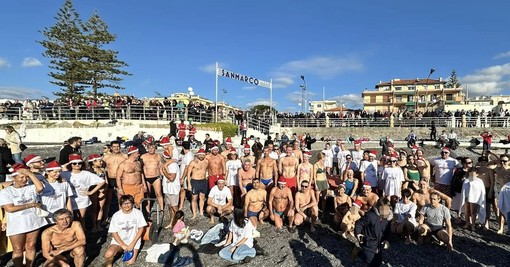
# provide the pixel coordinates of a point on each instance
(232, 167)
(219, 197)
(393, 178)
(22, 221)
(80, 183)
(186, 160)
(54, 197)
(239, 233)
(402, 210)
(328, 161)
(126, 226)
(370, 170)
(357, 156)
(341, 156)
(172, 188)
(443, 169)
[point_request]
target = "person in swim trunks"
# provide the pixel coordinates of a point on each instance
(288, 168)
(130, 179)
(267, 168)
(151, 163)
(281, 204)
(112, 161)
(245, 176)
(216, 166)
(197, 183)
(255, 204)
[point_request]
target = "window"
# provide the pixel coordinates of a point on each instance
(399, 99)
(411, 87)
(422, 98)
(319, 106)
(398, 88)
(410, 98)
(372, 99)
(437, 86)
(449, 97)
(386, 98)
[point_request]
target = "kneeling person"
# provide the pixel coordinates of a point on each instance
(64, 237)
(255, 205)
(127, 226)
(220, 200)
(306, 205)
(432, 217)
(281, 204)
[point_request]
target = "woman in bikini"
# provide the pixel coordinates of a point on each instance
(305, 170)
(321, 181)
(411, 174)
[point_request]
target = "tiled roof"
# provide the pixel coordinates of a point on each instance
(410, 82)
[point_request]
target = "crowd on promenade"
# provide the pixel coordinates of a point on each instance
(397, 191)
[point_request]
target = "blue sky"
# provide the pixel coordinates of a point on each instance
(342, 46)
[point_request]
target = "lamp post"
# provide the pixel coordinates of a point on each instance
(190, 95)
(303, 94)
(427, 90)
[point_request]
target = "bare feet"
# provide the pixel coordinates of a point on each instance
(194, 216)
(211, 221)
(168, 226)
(500, 231)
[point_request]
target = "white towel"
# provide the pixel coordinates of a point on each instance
(155, 251)
(504, 199)
(474, 192)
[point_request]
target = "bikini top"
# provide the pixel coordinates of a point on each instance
(320, 170)
(305, 170)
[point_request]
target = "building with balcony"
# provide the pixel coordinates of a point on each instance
(416, 94)
(321, 106)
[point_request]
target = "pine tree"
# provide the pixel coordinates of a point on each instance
(453, 81)
(102, 65)
(65, 45)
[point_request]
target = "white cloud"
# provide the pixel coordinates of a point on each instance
(261, 101)
(354, 101)
(297, 97)
(282, 80)
(31, 62)
(4, 64)
(20, 93)
(211, 68)
(249, 88)
(502, 55)
(322, 66)
(488, 81)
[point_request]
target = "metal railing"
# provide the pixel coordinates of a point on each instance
(397, 122)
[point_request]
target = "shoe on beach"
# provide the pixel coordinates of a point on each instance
(255, 233)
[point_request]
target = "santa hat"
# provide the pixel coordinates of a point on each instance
(307, 154)
(14, 168)
(372, 153)
(32, 158)
(445, 149)
(94, 157)
(166, 155)
(282, 180)
(132, 149)
(246, 146)
(201, 151)
(357, 142)
(75, 158)
(215, 148)
(228, 141)
(165, 141)
(357, 203)
(54, 165)
(393, 156)
(342, 185)
(367, 184)
(220, 179)
(415, 148)
(232, 150)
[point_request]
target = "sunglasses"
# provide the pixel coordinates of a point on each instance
(444, 152)
(304, 186)
(504, 161)
(76, 163)
(469, 162)
(393, 161)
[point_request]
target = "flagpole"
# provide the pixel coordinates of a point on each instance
(216, 100)
(271, 101)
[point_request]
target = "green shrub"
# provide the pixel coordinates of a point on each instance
(228, 129)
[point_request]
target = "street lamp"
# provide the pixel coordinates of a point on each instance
(303, 94)
(427, 90)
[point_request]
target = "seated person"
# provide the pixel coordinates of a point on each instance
(432, 218)
(404, 219)
(219, 200)
(306, 206)
(127, 226)
(66, 237)
(350, 218)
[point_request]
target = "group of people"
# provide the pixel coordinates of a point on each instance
(282, 183)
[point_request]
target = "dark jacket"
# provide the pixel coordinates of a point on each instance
(65, 152)
(5, 159)
(374, 231)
